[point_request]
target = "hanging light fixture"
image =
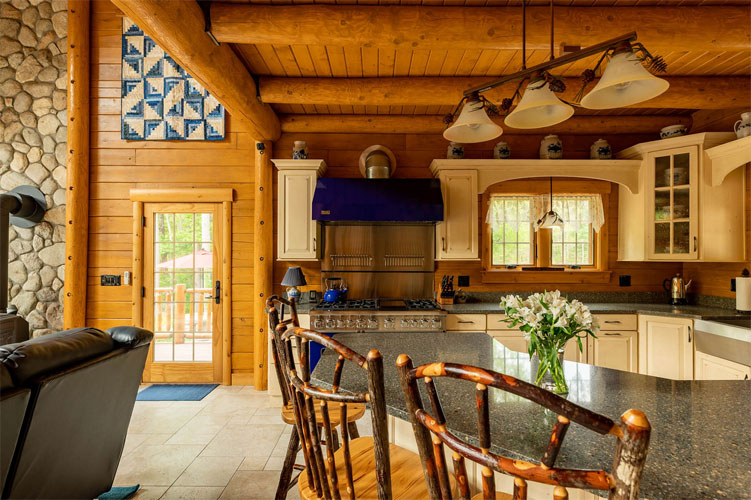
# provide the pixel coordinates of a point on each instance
(551, 218)
(473, 123)
(624, 82)
(539, 107)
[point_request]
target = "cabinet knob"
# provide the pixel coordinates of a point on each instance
(443, 244)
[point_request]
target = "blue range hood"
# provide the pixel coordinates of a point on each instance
(378, 200)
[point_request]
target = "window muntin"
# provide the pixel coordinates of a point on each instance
(573, 244)
(512, 236)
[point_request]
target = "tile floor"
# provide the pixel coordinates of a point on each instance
(230, 445)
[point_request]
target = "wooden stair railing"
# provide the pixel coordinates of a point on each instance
(362, 468)
(431, 434)
(353, 412)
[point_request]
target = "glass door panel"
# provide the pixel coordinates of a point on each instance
(673, 223)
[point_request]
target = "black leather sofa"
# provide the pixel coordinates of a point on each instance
(66, 400)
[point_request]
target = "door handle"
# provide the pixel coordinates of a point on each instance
(217, 290)
(689, 334)
(443, 243)
(314, 244)
(614, 334)
(694, 243)
(612, 322)
(466, 321)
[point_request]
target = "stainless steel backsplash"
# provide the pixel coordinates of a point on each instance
(380, 260)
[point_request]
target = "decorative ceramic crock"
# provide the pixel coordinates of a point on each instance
(551, 148)
(455, 151)
(673, 131)
(300, 150)
(743, 126)
(600, 150)
(501, 151)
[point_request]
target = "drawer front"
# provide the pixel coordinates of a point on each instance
(496, 323)
(617, 321)
(466, 322)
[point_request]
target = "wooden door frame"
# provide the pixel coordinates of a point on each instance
(225, 196)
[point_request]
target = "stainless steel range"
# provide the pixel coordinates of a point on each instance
(378, 315)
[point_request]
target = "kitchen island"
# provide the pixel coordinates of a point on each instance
(700, 445)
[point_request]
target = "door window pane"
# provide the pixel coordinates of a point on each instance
(662, 237)
(662, 171)
(183, 278)
(681, 237)
(681, 170)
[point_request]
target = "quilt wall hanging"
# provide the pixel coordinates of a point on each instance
(160, 100)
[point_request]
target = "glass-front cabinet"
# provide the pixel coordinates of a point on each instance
(673, 204)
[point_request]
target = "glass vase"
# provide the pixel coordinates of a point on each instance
(550, 375)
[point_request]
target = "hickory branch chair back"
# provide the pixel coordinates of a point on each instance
(631, 451)
(355, 411)
(362, 467)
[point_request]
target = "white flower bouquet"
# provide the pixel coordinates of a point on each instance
(548, 321)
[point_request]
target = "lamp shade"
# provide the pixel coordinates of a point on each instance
(625, 81)
(539, 107)
(473, 125)
(294, 277)
(550, 219)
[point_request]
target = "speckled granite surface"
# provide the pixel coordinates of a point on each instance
(689, 311)
(700, 446)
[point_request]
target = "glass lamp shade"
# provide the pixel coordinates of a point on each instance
(473, 125)
(538, 108)
(549, 220)
(294, 277)
(625, 81)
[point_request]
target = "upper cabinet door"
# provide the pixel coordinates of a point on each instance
(672, 204)
(457, 235)
(298, 232)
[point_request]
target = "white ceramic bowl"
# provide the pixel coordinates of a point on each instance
(673, 131)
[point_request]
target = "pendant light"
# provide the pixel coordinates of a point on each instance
(551, 218)
(473, 124)
(539, 107)
(624, 82)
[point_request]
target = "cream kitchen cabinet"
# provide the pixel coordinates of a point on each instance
(298, 234)
(457, 236)
(666, 347)
(676, 214)
(708, 367)
(616, 350)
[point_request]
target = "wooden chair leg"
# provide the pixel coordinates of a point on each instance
(353, 432)
(288, 467)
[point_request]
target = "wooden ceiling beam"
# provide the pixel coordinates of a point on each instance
(684, 92)
(178, 28)
(432, 124)
(660, 29)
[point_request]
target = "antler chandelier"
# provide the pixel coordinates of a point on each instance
(624, 81)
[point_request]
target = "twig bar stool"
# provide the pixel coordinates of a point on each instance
(355, 411)
(631, 451)
(363, 468)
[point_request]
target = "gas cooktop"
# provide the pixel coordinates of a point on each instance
(394, 305)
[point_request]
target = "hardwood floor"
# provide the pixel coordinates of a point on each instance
(231, 445)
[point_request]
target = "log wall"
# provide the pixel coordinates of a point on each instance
(414, 154)
(117, 166)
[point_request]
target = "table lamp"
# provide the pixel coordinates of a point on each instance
(292, 279)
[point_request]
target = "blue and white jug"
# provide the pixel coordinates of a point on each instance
(551, 148)
(300, 150)
(743, 126)
(455, 151)
(501, 151)
(600, 150)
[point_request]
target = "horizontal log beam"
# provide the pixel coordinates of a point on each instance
(432, 124)
(177, 27)
(661, 29)
(684, 92)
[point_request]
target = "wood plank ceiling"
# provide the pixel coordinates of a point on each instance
(356, 62)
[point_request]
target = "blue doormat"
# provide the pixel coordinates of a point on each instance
(119, 493)
(176, 392)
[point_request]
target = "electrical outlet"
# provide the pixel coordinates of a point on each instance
(110, 280)
(624, 280)
(462, 281)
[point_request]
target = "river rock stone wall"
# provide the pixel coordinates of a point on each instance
(33, 46)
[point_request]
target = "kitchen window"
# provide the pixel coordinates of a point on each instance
(514, 251)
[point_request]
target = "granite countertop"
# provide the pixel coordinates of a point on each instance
(687, 311)
(700, 441)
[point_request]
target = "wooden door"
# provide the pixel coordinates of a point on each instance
(666, 347)
(615, 350)
(183, 255)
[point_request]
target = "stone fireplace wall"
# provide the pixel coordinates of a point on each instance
(33, 118)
